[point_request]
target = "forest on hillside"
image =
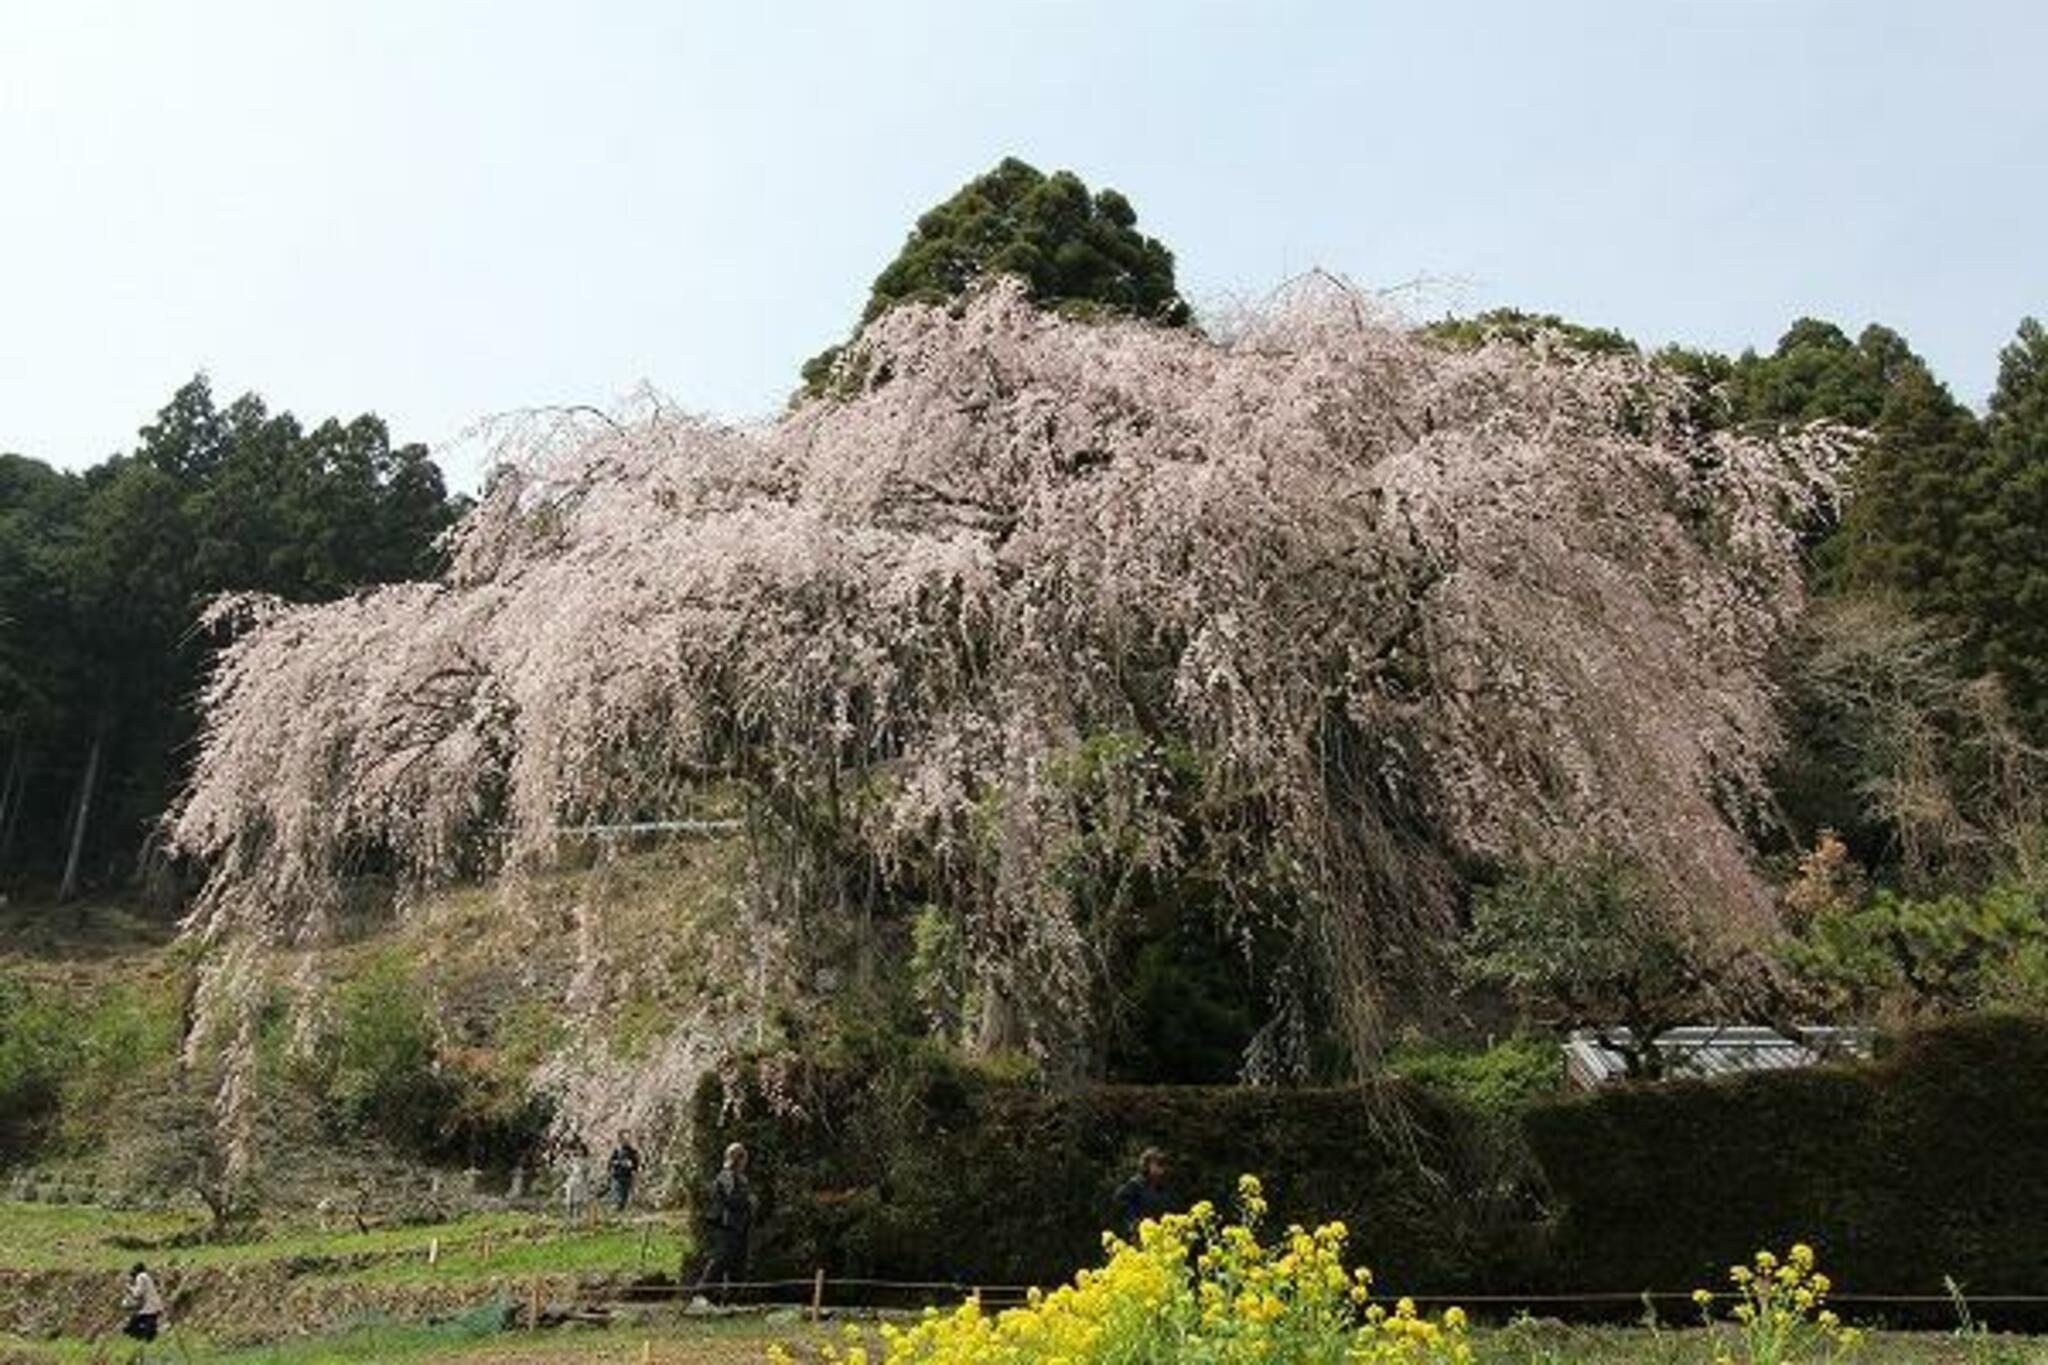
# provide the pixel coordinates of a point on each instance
(103, 578)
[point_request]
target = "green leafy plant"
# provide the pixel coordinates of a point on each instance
(377, 1064)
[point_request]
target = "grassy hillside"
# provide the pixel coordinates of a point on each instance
(61, 1269)
(408, 1065)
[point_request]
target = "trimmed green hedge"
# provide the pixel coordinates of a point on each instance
(1931, 1162)
(928, 1170)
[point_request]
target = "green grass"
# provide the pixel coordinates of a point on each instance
(1557, 1344)
(81, 1237)
(379, 1341)
(627, 1248)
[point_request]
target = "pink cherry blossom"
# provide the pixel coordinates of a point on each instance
(1410, 604)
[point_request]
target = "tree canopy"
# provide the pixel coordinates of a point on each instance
(1517, 325)
(1817, 372)
(1950, 511)
(1059, 626)
(2006, 578)
(1072, 248)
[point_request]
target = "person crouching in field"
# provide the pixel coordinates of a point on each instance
(144, 1306)
(731, 1219)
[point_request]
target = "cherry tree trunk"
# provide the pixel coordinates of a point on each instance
(1001, 1027)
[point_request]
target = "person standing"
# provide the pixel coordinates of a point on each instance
(575, 1188)
(623, 1169)
(1143, 1196)
(731, 1219)
(144, 1305)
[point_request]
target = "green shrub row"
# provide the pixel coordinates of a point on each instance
(924, 1168)
(1929, 1163)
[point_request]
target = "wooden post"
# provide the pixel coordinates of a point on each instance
(487, 1246)
(533, 1307)
(818, 1296)
(646, 1353)
(433, 1251)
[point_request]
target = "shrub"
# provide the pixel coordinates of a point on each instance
(921, 1166)
(1929, 1163)
(1497, 1080)
(68, 1060)
(122, 1037)
(38, 1051)
(385, 1074)
(378, 1062)
(1918, 956)
(1589, 940)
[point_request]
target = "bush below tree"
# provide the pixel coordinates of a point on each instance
(1932, 1161)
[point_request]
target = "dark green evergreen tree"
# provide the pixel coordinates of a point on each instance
(1951, 514)
(1904, 528)
(1073, 249)
(1817, 372)
(2004, 568)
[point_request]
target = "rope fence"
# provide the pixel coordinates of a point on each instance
(821, 1296)
(1019, 1292)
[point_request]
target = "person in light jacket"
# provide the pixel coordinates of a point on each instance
(144, 1304)
(575, 1189)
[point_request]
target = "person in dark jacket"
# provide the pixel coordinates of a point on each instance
(1143, 1196)
(730, 1215)
(623, 1168)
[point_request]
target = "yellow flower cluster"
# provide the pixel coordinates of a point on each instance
(1192, 1288)
(1779, 1307)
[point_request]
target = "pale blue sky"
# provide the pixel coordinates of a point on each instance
(441, 210)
